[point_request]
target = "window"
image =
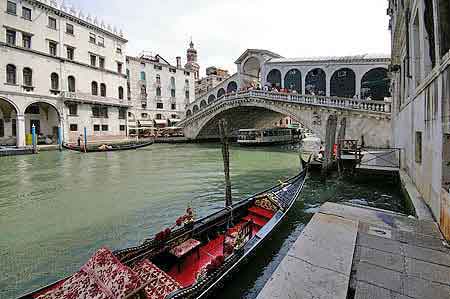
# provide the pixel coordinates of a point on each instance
(158, 79)
(157, 67)
(2, 128)
(186, 95)
(70, 53)
(172, 70)
(172, 93)
(122, 128)
(71, 83)
(10, 37)
(52, 23)
(73, 127)
(158, 91)
(54, 80)
(52, 48)
(418, 147)
(94, 88)
(187, 73)
(122, 113)
(119, 67)
(186, 83)
(27, 77)
(159, 106)
(101, 62)
(119, 50)
(104, 127)
(92, 38)
(99, 111)
(158, 116)
(143, 76)
(144, 115)
(33, 109)
(93, 60)
(69, 28)
(26, 41)
(143, 90)
(73, 109)
(173, 106)
(10, 74)
(26, 13)
(120, 93)
(96, 128)
(103, 90)
(100, 41)
(11, 8)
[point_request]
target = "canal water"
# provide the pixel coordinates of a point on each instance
(57, 208)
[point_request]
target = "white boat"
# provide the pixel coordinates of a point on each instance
(311, 151)
(267, 136)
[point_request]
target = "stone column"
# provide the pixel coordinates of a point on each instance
(328, 82)
(358, 86)
(303, 83)
(20, 131)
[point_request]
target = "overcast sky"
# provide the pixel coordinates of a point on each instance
(223, 29)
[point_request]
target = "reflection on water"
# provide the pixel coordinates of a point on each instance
(56, 208)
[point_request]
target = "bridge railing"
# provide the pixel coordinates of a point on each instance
(333, 102)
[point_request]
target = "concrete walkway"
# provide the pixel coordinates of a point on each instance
(358, 252)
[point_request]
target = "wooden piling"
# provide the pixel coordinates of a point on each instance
(329, 143)
(223, 131)
(340, 144)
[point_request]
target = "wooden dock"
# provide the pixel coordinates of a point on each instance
(354, 252)
(13, 151)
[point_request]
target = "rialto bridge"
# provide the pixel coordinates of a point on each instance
(354, 87)
(259, 109)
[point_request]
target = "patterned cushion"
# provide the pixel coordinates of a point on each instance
(102, 277)
(79, 286)
(184, 247)
(115, 276)
(266, 203)
(161, 284)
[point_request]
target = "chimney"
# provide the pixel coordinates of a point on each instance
(179, 62)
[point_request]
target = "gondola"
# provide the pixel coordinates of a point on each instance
(108, 148)
(189, 260)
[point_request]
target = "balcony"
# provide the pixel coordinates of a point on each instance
(87, 98)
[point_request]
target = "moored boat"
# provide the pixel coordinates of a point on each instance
(187, 260)
(108, 147)
(311, 151)
(268, 136)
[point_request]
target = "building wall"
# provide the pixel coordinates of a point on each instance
(184, 80)
(43, 64)
(421, 100)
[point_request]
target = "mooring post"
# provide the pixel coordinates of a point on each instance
(223, 131)
(329, 143)
(60, 138)
(340, 144)
(33, 138)
(85, 139)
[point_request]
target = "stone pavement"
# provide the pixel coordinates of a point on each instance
(358, 252)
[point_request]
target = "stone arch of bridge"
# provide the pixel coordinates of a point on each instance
(301, 116)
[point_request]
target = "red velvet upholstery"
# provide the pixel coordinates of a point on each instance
(102, 277)
(161, 284)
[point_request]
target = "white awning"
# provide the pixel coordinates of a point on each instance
(160, 121)
(174, 120)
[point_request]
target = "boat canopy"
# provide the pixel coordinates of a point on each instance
(311, 144)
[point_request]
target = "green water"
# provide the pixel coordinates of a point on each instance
(56, 208)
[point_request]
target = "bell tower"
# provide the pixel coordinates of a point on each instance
(192, 64)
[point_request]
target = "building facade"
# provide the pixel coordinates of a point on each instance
(157, 91)
(59, 69)
(420, 31)
(214, 76)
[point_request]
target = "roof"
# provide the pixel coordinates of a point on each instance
(362, 57)
(245, 54)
